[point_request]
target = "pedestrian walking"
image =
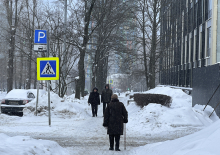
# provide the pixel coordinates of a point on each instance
(94, 101)
(115, 115)
(106, 97)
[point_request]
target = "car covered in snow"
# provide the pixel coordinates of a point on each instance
(14, 102)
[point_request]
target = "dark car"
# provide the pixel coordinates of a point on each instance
(14, 102)
(86, 92)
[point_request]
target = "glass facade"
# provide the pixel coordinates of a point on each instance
(191, 22)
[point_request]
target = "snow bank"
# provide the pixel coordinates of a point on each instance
(156, 118)
(34, 91)
(204, 142)
(59, 106)
(21, 145)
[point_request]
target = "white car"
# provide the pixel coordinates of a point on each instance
(14, 102)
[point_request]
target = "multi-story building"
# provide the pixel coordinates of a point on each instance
(190, 30)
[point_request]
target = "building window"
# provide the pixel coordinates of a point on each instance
(173, 54)
(186, 43)
(176, 30)
(182, 52)
(209, 8)
(191, 3)
(194, 48)
(190, 44)
(186, 5)
(208, 42)
(182, 55)
(200, 46)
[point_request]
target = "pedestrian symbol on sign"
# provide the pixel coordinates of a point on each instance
(48, 70)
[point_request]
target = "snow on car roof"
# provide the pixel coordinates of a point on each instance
(17, 94)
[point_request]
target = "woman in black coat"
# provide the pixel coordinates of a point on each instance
(115, 116)
(94, 101)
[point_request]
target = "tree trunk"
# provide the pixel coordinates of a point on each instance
(10, 64)
(81, 83)
(81, 73)
(21, 71)
(144, 45)
(31, 31)
(153, 48)
(77, 93)
(15, 73)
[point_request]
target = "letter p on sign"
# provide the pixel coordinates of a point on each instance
(40, 37)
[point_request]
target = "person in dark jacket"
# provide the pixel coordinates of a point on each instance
(115, 115)
(94, 101)
(106, 97)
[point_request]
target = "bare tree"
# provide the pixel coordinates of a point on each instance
(12, 11)
(148, 17)
(106, 39)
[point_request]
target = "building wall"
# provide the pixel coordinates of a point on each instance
(188, 39)
(205, 82)
(190, 31)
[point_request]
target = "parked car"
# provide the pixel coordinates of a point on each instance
(14, 102)
(86, 92)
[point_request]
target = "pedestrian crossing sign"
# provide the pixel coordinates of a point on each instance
(111, 81)
(48, 68)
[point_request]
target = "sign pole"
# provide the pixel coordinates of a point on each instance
(47, 68)
(37, 95)
(48, 82)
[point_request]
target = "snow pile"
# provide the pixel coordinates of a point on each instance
(155, 118)
(204, 142)
(21, 145)
(34, 91)
(64, 106)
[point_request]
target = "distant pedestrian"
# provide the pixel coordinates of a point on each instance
(94, 101)
(115, 115)
(106, 97)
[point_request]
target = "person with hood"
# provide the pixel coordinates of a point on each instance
(94, 101)
(115, 115)
(106, 97)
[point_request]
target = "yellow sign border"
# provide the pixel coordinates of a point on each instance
(48, 59)
(110, 82)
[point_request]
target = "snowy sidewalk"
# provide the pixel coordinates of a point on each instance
(73, 128)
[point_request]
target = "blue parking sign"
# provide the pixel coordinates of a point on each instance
(40, 37)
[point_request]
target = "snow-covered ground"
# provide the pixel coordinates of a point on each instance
(77, 132)
(204, 142)
(25, 145)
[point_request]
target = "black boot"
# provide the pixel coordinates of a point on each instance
(117, 149)
(111, 148)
